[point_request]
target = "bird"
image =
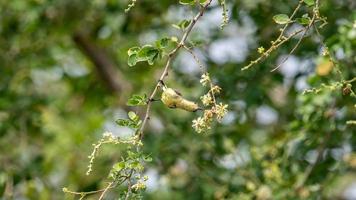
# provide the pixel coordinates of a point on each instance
(174, 99)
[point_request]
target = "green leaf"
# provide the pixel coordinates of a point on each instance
(133, 116)
(144, 50)
(118, 166)
(122, 122)
(187, 2)
(182, 24)
(303, 20)
(281, 19)
(132, 60)
(147, 53)
(133, 57)
(134, 124)
(163, 43)
(133, 50)
(132, 155)
(166, 42)
(309, 2)
(136, 165)
(147, 158)
(137, 100)
(152, 56)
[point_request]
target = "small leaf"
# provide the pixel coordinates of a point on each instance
(174, 39)
(149, 53)
(168, 42)
(134, 122)
(132, 60)
(132, 155)
(133, 116)
(147, 158)
(144, 50)
(118, 166)
(281, 19)
(133, 50)
(163, 43)
(137, 100)
(182, 24)
(152, 56)
(136, 165)
(309, 2)
(303, 20)
(187, 2)
(122, 122)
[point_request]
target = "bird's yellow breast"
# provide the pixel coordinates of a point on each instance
(172, 99)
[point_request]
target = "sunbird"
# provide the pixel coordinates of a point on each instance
(173, 99)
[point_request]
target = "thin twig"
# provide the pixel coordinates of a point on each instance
(351, 80)
(331, 59)
(111, 185)
(202, 71)
(84, 193)
(105, 190)
(171, 55)
(272, 48)
(279, 41)
(297, 45)
(291, 17)
(195, 57)
(129, 187)
(128, 190)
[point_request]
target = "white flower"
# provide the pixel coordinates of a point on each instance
(220, 111)
(139, 186)
(199, 125)
(216, 89)
(108, 134)
(206, 99)
(205, 79)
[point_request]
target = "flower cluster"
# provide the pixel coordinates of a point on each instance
(140, 185)
(205, 79)
(206, 99)
(217, 111)
(220, 111)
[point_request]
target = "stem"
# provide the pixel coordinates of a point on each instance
(202, 70)
(105, 190)
(171, 56)
(272, 48)
(282, 39)
(291, 17)
(298, 43)
(351, 80)
(129, 186)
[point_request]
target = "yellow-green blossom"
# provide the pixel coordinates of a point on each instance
(205, 79)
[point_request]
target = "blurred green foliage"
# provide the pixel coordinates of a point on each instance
(54, 102)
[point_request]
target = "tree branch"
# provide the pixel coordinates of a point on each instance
(171, 56)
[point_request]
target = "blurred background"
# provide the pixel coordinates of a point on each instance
(64, 80)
